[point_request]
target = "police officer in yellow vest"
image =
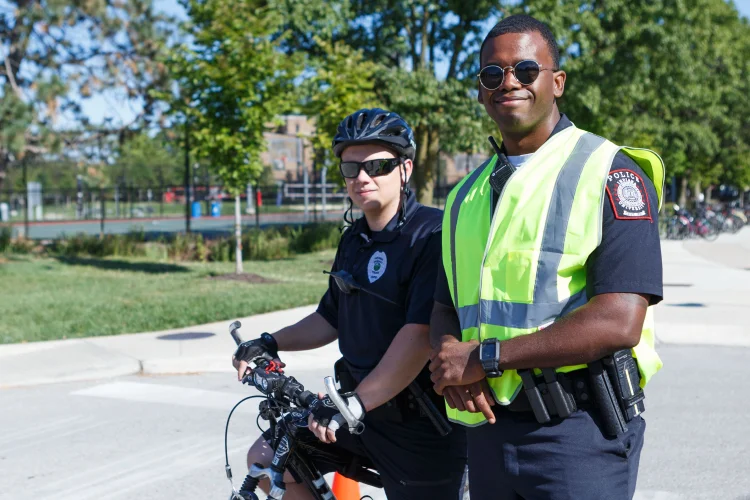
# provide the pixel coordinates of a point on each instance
(542, 328)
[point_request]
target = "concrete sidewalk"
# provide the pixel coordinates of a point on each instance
(202, 348)
(707, 301)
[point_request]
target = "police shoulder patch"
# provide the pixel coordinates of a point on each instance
(628, 195)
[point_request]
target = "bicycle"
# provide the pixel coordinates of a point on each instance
(286, 407)
(683, 225)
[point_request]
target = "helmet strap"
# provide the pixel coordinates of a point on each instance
(404, 194)
(348, 215)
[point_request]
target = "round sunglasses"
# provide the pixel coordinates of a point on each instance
(526, 72)
(373, 168)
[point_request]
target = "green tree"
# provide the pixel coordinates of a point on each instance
(405, 40)
(410, 37)
(146, 162)
(233, 81)
(659, 74)
(56, 53)
(343, 82)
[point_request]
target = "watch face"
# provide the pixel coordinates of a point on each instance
(487, 352)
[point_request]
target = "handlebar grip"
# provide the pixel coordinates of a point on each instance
(233, 332)
(355, 426)
(306, 398)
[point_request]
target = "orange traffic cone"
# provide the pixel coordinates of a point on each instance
(345, 488)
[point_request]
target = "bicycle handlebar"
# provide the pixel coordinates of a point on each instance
(355, 425)
(268, 378)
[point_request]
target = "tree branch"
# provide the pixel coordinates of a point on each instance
(11, 78)
(462, 29)
(424, 49)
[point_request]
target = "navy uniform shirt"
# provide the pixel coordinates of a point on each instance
(399, 263)
(628, 260)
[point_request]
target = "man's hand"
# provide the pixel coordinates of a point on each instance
(455, 363)
(325, 419)
(248, 351)
(474, 398)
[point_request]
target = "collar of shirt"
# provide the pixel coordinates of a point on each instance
(563, 123)
(390, 231)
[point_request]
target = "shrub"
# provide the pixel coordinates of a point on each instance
(315, 237)
(22, 245)
(268, 244)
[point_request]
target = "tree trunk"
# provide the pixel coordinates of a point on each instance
(425, 48)
(682, 201)
(433, 163)
(238, 235)
(411, 32)
(421, 161)
(708, 195)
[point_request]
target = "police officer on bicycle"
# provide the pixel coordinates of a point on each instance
(392, 253)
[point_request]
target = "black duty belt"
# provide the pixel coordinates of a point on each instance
(575, 386)
(611, 385)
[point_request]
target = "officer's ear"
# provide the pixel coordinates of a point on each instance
(559, 83)
(408, 168)
(480, 98)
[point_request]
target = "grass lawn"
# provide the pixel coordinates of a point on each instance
(44, 299)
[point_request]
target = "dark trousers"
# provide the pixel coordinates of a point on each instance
(568, 459)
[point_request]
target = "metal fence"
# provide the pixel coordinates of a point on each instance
(49, 214)
(46, 214)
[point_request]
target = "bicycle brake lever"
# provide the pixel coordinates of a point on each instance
(355, 425)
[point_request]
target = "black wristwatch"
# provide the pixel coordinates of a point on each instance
(489, 355)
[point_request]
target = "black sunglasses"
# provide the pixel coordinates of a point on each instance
(373, 168)
(526, 72)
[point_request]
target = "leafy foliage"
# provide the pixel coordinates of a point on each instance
(58, 53)
(666, 74)
(233, 82)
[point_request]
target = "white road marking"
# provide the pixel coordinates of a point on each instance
(168, 394)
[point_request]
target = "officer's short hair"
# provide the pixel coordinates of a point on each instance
(523, 23)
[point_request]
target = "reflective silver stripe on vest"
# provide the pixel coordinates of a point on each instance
(516, 314)
(545, 308)
(558, 214)
(457, 201)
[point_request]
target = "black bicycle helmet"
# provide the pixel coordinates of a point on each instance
(375, 126)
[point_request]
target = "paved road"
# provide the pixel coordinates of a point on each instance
(161, 437)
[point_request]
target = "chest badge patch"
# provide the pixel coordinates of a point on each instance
(376, 266)
(628, 195)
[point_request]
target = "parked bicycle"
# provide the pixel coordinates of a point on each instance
(286, 406)
(683, 225)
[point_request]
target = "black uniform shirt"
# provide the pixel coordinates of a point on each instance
(628, 260)
(400, 264)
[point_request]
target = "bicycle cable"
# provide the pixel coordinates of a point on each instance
(227, 468)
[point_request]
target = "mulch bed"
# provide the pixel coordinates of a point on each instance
(245, 277)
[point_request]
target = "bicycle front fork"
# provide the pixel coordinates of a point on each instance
(256, 473)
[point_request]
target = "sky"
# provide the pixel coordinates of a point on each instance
(115, 106)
